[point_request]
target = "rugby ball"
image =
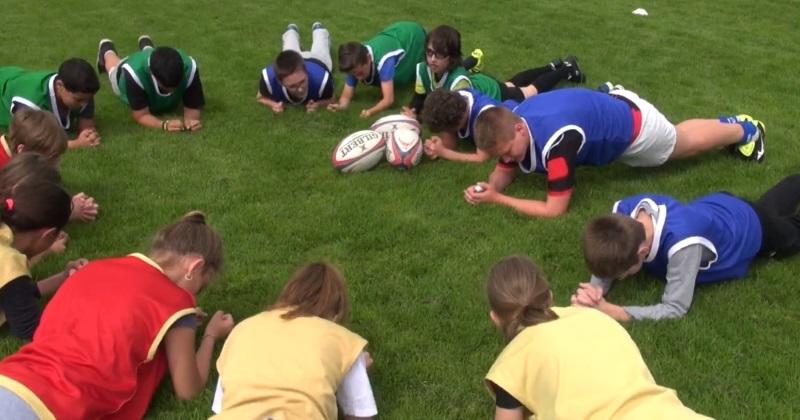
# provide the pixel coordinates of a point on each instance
(394, 122)
(403, 148)
(359, 151)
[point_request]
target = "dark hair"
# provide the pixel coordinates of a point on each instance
(611, 244)
(26, 166)
(35, 203)
(287, 63)
(316, 289)
(446, 40)
(519, 295)
(38, 131)
(78, 76)
(493, 127)
(443, 110)
(166, 65)
(352, 54)
(190, 235)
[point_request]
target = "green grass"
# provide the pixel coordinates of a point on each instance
(414, 254)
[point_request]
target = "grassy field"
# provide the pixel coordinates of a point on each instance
(414, 253)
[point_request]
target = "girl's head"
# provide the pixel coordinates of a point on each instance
(315, 290)
(189, 251)
(35, 209)
(519, 296)
(443, 49)
(32, 130)
(24, 166)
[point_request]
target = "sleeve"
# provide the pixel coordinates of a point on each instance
(87, 112)
(187, 321)
(463, 84)
(601, 283)
(354, 394)
(19, 300)
(327, 91)
(503, 399)
(193, 95)
(351, 81)
(682, 271)
(216, 403)
(386, 71)
(137, 97)
(17, 106)
(561, 162)
(263, 89)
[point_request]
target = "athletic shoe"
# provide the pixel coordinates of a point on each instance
(754, 149)
(477, 54)
(317, 25)
(145, 42)
(105, 46)
(575, 75)
(292, 27)
(556, 63)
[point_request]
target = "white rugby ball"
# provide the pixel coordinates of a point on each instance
(359, 151)
(403, 148)
(394, 122)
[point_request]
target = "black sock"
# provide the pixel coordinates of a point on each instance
(550, 79)
(527, 77)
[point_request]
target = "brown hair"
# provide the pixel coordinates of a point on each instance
(190, 235)
(611, 244)
(352, 54)
(24, 166)
(446, 40)
(39, 132)
(519, 295)
(316, 289)
(443, 110)
(494, 126)
(35, 203)
(287, 63)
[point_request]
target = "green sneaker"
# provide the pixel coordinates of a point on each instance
(477, 54)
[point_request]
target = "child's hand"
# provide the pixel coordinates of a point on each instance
(87, 138)
(84, 208)
(337, 107)
(587, 295)
(74, 266)
(480, 193)
(277, 108)
(311, 106)
(433, 147)
(60, 244)
(173, 125)
(193, 125)
(409, 112)
(366, 113)
(219, 325)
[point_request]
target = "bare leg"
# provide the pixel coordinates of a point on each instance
(111, 61)
(699, 135)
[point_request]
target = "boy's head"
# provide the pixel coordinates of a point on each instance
(76, 83)
(614, 246)
(444, 111)
(291, 72)
(501, 133)
(166, 66)
(443, 49)
(354, 60)
(32, 130)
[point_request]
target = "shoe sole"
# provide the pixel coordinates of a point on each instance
(101, 67)
(139, 41)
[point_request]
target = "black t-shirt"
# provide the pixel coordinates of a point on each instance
(20, 302)
(503, 399)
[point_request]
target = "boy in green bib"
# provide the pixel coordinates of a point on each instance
(154, 81)
(68, 94)
(388, 59)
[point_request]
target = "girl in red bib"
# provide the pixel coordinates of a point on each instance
(116, 327)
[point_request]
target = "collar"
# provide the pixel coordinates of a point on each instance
(147, 260)
(6, 235)
(531, 152)
(658, 215)
(4, 144)
(51, 90)
(373, 69)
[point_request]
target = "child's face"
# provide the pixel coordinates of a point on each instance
(437, 61)
(362, 71)
(514, 149)
(72, 100)
(296, 83)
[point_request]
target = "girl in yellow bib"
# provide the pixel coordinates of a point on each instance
(566, 363)
(295, 360)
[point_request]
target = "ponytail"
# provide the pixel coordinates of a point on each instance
(316, 289)
(190, 235)
(519, 295)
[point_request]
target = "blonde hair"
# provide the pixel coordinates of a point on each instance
(315, 289)
(39, 132)
(519, 295)
(189, 235)
(494, 126)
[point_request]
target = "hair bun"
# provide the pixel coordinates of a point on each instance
(195, 216)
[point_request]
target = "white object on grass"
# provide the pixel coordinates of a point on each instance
(640, 12)
(477, 188)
